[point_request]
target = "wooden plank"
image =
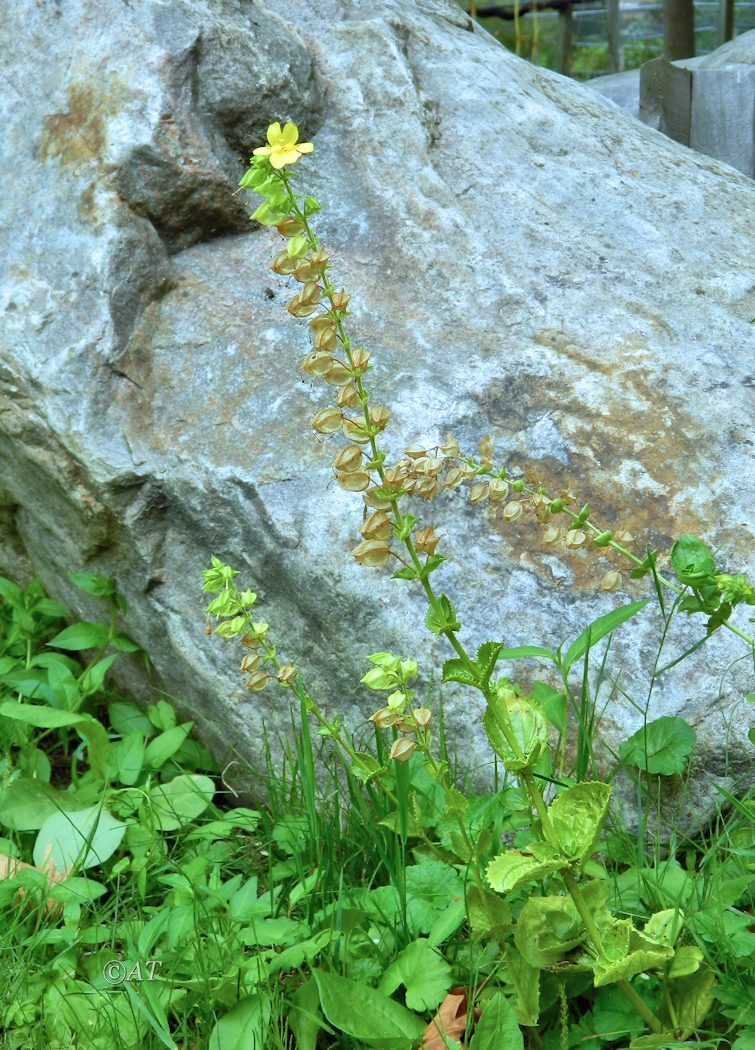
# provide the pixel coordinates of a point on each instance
(563, 43)
(725, 20)
(723, 115)
(615, 51)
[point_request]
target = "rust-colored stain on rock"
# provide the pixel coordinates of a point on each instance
(79, 134)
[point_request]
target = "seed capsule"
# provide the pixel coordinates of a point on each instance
(379, 416)
(498, 489)
(422, 715)
(402, 749)
(349, 458)
(326, 338)
(611, 581)
(328, 421)
(513, 510)
(551, 534)
(426, 540)
(372, 499)
(354, 481)
(290, 227)
(337, 374)
(451, 447)
(283, 264)
(340, 300)
(348, 396)
(575, 538)
(360, 360)
(480, 492)
(257, 681)
(251, 662)
(385, 718)
(316, 363)
(453, 478)
(355, 431)
(377, 526)
(372, 553)
(287, 674)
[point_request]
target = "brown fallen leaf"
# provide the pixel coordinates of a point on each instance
(10, 866)
(450, 1021)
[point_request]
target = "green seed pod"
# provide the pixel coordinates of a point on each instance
(557, 505)
(603, 539)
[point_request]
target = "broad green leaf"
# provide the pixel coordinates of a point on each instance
(245, 1027)
(509, 870)
(127, 758)
(163, 746)
(90, 836)
(26, 804)
(180, 800)
(598, 629)
(686, 961)
(661, 747)
(93, 678)
(367, 1015)
(126, 718)
(692, 997)
(124, 644)
(613, 1015)
(692, 560)
(498, 1027)
(39, 716)
(82, 636)
(552, 703)
(547, 928)
(94, 583)
(423, 972)
(78, 890)
(365, 766)
(524, 721)
(577, 817)
(642, 954)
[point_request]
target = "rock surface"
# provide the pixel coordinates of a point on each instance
(525, 261)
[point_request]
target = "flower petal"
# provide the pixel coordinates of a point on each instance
(274, 134)
(289, 135)
(283, 155)
(305, 147)
(263, 151)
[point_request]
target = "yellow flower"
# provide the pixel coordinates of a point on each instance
(283, 147)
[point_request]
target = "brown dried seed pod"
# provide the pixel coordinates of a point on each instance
(422, 715)
(326, 339)
(305, 271)
(426, 540)
(611, 581)
(575, 538)
(349, 458)
(551, 534)
(453, 478)
(257, 681)
(372, 553)
(315, 364)
(337, 375)
(251, 662)
(451, 447)
(360, 360)
(402, 749)
(328, 421)
(513, 510)
(480, 491)
(290, 226)
(287, 674)
(428, 466)
(372, 499)
(385, 718)
(319, 258)
(353, 480)
(379, 416)
(377, 526)
(348, 395)
(499, 490)
(283, 265)
(428, 488)
(340, 300)
(354, 431)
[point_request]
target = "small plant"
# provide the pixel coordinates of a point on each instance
(542, 916)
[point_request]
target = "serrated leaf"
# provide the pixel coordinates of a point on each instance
(598, 629)
(455, 670)
(509, 870)
(487, 913)
(547, 928)
(577, 817)
(661, 747)
(425, 975)
(643, 954)
(442, 616)
(526, 724)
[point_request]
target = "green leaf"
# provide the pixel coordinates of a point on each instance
(456, 670)
(661, 747)
(305, 1016)
(128, 758)
(423, 972)
(692, 560)
(367, 1015)
(525, 982)
(509, 870)
(245, 1027)
(82, 636)
(487, 658)
(552, 703)
(598, 629)
(526, 724)
(548, 928)
(90, 836)
(180, 800)
(26, 804)
(686, 961)
(521, 652)
(52, 718)
(692, 998)
(577, 817)
(642, 954)
(94, 583)
(498, 1027)
(442, 616)
(166, 744)
(93, 678)
(365, 766)
(488, 914)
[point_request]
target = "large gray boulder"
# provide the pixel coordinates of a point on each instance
(524, 260)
